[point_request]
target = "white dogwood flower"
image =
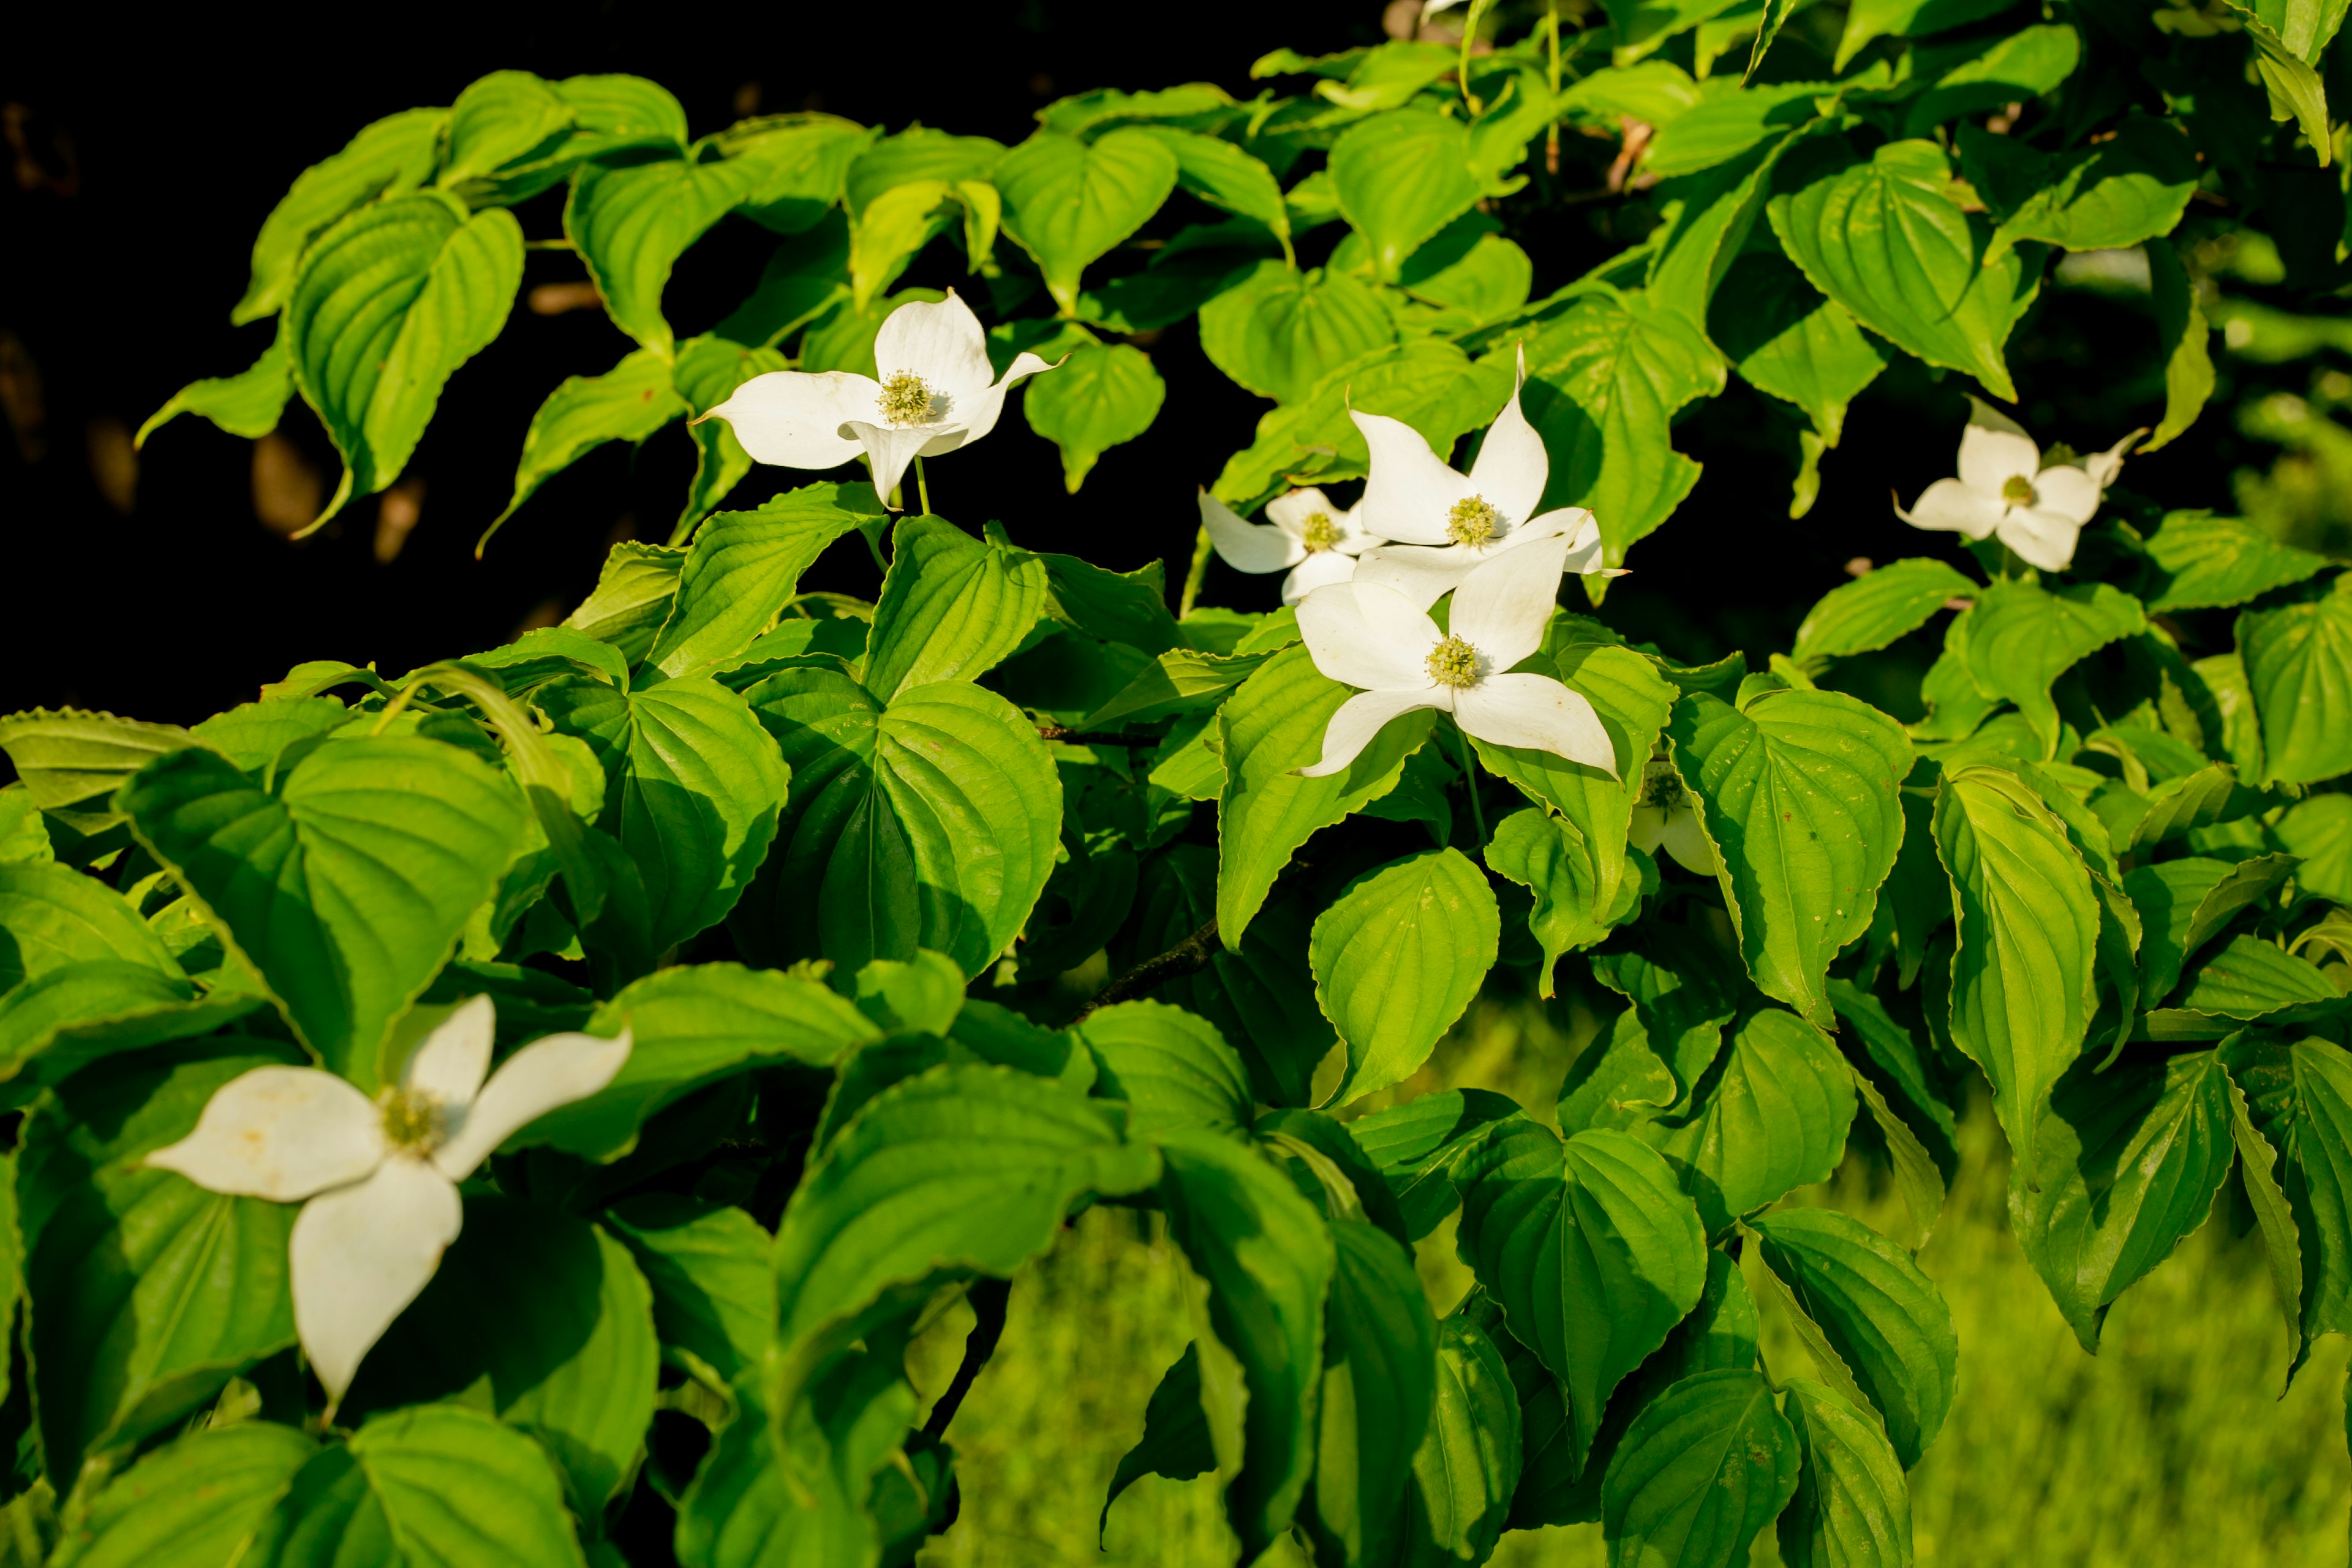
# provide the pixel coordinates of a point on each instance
(1665, 816)
(1373, 637)
(1447, 523)
(1303, 534)
(380, 1174)
(2003, 490)
(938, 393)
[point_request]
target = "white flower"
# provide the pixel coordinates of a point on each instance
(1316, 542)
(380, 1174)
(1373, 636)
(938, 393)
(1412, 496)
(1665, 817)
(2004, 489)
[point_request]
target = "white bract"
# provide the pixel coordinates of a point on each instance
(1447, 523)
(1665, 817)
(1303, 534)
(2004, 490)
(1373, 637)
(381, 1175)
(938, 393)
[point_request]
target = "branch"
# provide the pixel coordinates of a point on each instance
(1091, 737)
(1187, 957)
(987, 1298)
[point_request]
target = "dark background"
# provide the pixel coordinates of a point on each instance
(146, 153)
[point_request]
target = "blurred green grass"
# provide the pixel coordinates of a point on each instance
(2169, 1448)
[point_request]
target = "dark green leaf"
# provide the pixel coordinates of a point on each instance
(1173, 1069)
(1853, 1506)
(2299, 667)
(714, 1289)
(1175, 1442)
(1396, 960)
(1875, 609)
(744, 566)
(1373, 1408)
(1774, 1120)
(951, 607)
(1700, 1473)
(2301, 1099)
(193, 1503)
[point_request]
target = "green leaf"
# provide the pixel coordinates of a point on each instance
(1180, 680)
(389, 303)
(692, 784)
(1887, 241)
(1175, 1442)
(631, 222)
(1068, 202)
(73, 1015)
(634, 593)
(1224, 176)
(2181, 333)
(2129, 1162)
(2185, 903)
(1701, 1471)
(52, 916)
(930, 824)
(248, 404)
(1785, 339)
(1877, 609)
(434, 1483)
(1775, 1120)
(694, 1025)
(148, 1292)
(499, 119)
(2021, 636)
(1279, 332)
(714, 1289)
(957, 1172)
(2319, 830)
(745, 566)
(2301, 1099)
(890, 230)
(1883, 1319)
(709, 369)
(1591, 1249)
(1697, 248)
(1401, 177)
(2299, 665)
(1099, 398)
(1172, 1067)
(1398, 957)
(193, 1503)
(1267, 731)
(1852, 1507)
(1267, 1260)
(1468, 1464)
(1605, 378)
(2022, 66)
(1798, 794)
(2258, 1174)
(2131, 187)
(392, 155)
(1379, 1384)
(1906, 19)
(347, 889)
(542, 1319)
(2250, 978)
(951, 607)
(2023, 972)
(1550, 856)
(2201, 561)
(804, 165)
(2296, 91)
(1916, 1176)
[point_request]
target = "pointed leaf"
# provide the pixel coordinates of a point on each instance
(1398, 958)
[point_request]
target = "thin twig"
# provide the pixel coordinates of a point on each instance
(1187, 957)
(987, 1298)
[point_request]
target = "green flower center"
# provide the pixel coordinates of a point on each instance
(906, 398)
(1320, 533)
(2017, 491)
(412, 1119)
(1471, 521)
(1454, 663)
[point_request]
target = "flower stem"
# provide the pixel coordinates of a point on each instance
(1470, 777)
(1196, 574)
(922, 486)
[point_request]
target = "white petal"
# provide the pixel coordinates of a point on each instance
(1502, 607)
(978, 414)
(1512, 467)
(1419, 572)
(454, 1059)
(794, 420)
(944, 345)
(1994, 450)
(2070, 492)
(1368, 635)
(2042, 539)
(1950, 504)
(1289, 510)
(1585, 551)
(1354, 537)
(1538, 713)
(1319, 570)
(2103, 466)
(279, 1132)
(1360, 718)
(1647, 828)
(1247, 547)
(1687, 844)
(1410, 490)
(891, 449)
(360, 1254)
(529, 1084)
